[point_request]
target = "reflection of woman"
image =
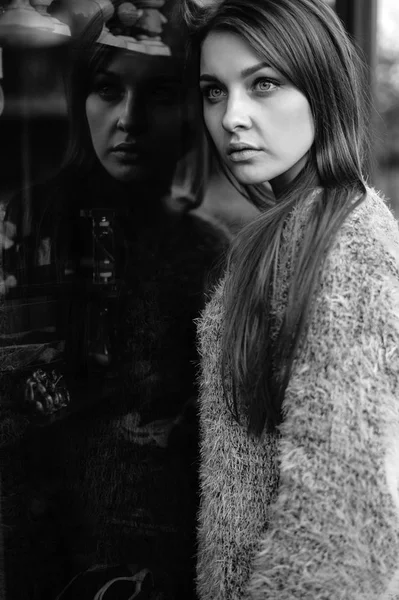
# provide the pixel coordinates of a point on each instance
(299, 405)
(114, 482)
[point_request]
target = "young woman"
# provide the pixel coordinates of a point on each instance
(111, 481)
(299, 412)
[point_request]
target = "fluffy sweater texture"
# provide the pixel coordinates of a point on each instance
(312, 511)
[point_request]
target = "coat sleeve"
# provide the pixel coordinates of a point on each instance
(334, 527)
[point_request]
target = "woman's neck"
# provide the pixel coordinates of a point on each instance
(142, 200)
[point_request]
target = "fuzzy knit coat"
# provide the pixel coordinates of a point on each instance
(312, 511)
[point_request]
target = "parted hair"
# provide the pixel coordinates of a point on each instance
(306, 41)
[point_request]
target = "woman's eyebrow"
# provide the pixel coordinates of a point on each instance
(106, 73)
(254, 69)
(206, 77)
(244, 73)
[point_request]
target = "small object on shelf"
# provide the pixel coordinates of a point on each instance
(79, 13)
(136, 26)
(45, 393)
(42, 6)
(152, 21)
(98, 263)
(100, 269)
(28, 24)
(128, 14)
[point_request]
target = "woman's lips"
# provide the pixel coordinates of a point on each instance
(128, 152)
(128, 146)
(243, 154)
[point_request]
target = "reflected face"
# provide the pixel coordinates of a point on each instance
(133, 112)
(260, 123)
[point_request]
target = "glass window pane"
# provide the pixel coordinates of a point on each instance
(387, 101)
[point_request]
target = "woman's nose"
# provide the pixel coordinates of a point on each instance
(132, 116)
(237, 114)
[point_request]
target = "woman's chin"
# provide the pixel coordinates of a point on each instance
(129, 174)
(249, 174)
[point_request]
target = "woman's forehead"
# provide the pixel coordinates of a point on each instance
(136, 66)
(224, 50)
(221, 49)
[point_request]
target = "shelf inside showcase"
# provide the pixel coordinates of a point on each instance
(36, 338)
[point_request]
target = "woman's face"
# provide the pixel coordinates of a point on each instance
(260, 123)
(133, 112)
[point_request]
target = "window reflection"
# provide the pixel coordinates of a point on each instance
(387, 101)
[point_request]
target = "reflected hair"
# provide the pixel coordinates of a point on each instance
(306, 41)
(87, 56)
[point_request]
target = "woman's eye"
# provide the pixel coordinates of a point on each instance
(264, 85)
(107, 91)
(213, 93)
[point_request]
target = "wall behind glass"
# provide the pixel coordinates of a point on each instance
(387, 101)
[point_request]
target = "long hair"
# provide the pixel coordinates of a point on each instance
(86, 58)
(307, 43)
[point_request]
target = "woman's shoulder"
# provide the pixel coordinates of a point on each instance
(374, 215)
(360, 275)
(370, 235)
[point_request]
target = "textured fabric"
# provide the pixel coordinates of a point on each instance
(312, 512)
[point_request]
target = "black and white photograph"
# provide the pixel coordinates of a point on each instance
(199, 300)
